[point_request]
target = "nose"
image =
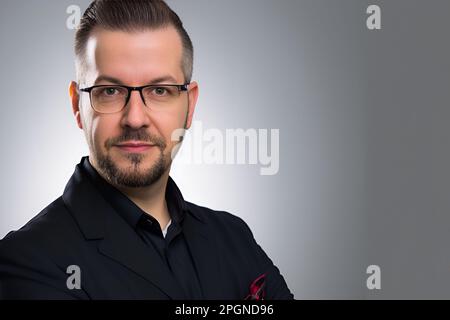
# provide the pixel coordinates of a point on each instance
(136, 113)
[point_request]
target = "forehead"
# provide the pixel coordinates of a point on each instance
(134, 57)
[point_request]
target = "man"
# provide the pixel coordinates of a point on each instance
(121, 229)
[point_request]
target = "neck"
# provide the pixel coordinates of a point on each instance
(151, 199)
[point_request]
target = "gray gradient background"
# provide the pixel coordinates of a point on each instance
(364, 135)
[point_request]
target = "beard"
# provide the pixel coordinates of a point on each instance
(133, 176)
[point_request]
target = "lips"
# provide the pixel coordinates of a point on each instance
(135, 146)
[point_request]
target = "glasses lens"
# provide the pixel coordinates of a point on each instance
(109, 99)
(160, 96)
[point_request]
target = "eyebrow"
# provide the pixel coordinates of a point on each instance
(163, 79)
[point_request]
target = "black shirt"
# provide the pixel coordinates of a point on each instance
(173, 249)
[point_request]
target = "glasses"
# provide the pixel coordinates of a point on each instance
(114, 98)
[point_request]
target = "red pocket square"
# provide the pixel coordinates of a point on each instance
(257, 289)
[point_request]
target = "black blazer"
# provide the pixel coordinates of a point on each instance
(81, 228)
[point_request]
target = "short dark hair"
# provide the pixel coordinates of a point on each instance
(131, 16)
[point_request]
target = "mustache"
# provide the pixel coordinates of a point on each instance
(139, 135)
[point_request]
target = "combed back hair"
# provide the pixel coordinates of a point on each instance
(130, 16)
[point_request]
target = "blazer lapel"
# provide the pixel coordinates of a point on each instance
(204, 253)
(98, 220)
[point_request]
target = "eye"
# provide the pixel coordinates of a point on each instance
(160, 91)
(110, 91)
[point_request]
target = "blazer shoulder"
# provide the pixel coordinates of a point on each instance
(52, 225)
(30, 257)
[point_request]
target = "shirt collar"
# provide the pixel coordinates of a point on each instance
(127, 208)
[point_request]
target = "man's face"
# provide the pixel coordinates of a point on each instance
(133, 59)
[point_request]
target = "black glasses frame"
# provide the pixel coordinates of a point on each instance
(180, 87)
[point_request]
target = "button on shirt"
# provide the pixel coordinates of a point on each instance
(170, 243)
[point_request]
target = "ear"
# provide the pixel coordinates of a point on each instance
(75, 100)
(193, 96)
